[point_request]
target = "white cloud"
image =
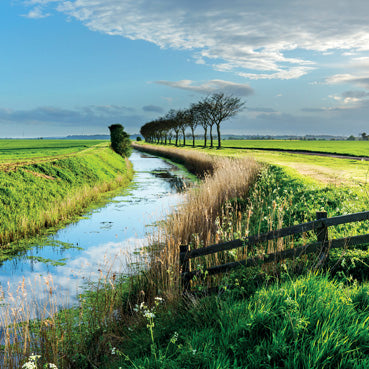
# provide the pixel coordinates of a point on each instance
(347, 101)
(361, 81)
(210, 87)
(36, 13)
(252, 38)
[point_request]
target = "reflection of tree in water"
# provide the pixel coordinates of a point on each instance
(176, 183)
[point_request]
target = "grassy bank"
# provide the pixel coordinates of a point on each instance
(45, 194)
(279, 316)
(308, 322)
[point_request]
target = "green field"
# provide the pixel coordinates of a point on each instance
(24, 150)
(355, 148)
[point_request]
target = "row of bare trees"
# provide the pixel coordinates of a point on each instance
(208, 113)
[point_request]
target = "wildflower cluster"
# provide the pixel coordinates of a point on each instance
(148, 313)
(32, 363)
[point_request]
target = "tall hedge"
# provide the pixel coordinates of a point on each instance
(120, 141)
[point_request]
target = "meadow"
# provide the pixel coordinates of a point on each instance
(354, 148)
(25, 150)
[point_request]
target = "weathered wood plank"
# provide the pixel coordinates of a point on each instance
(322, 236)
(288, 231)
(349, 218)
(185, 266)
(285, 254)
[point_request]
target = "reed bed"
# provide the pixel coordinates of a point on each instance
(33, 320)
(201, 219)
(195, 162)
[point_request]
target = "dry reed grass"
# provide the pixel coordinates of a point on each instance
(200, 221)
(33, 319)
(196, 162)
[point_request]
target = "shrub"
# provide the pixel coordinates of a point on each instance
(120, 141)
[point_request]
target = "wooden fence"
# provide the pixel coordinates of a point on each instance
(319, 226)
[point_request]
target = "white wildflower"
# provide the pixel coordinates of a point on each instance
(174, 338)
(31, 363)
(34, 357)
(52, 366)
(113, 351)
(149, 314)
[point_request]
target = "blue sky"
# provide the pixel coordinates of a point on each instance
(75, 67)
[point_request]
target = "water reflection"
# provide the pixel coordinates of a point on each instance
(103, 242)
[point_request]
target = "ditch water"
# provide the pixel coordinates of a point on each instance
(106, 240)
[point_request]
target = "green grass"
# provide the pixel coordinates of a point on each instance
(307, 322)
(24, 150)
(37, 196)
(356, 148)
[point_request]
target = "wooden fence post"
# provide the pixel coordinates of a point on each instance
(322, 236)
(184, 266)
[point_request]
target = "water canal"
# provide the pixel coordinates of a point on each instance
(106, 240)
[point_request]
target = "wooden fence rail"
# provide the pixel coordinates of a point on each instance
(319, 226)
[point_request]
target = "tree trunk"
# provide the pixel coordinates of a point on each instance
(184, 137)
(211, 136)
(219, 139)
(193, 137)
(176, 138)
(205, 135)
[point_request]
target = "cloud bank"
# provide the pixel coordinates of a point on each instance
(43, 121)
(210, 87)
(254, 39)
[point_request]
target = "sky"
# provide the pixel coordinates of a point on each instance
(76, 67)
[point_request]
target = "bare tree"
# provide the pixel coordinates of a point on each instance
(193, 120)
(171, 117)
(201, 111)
(222, 107)
(182, 121)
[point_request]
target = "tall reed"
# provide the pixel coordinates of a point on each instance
(196, 162)
(198, 221)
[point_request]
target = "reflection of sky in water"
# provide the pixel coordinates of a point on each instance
(107, 238)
